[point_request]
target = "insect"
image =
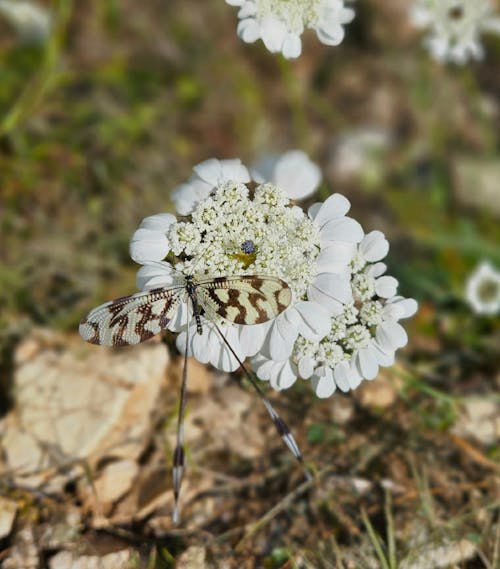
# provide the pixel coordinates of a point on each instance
(246, 299)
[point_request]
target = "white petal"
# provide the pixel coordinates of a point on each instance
(323, 382)
(156, 275)
(262, 366)
(376, 270)
(341, 380)
(383, 357)
(292, 46)
(264, 169)
(399, 307)
(335, 207)
(346, 377)
(281, 337)
(374, 246)
(366, 363)
(187, 196)
(386, 287)
(273, 33)
(159, 222)
(235, 2)
(234, 171)
(347, 372)
(343, 229)
(286, 376)
(331, 291)
(297, 174)
(147, 245)
(306, 367)
(209, 171)
(391, 336)
(252, 337)
(314, 319)
(336, 257)
(248, 30)
(331, 33)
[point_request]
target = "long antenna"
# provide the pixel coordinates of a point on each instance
(178, 458)
(282, 428)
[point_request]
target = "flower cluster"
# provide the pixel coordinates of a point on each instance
(455, 27)
(364, 336)
(342, 323)
(280, 23)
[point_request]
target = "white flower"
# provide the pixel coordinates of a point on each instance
(235, 231)
(293, 171)
(280, 23)
(364, 335)
(483, 289)
(207, 176)
(33, 23)
(455, 27)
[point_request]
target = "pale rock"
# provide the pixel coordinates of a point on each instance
(193, 558)
(115, 480)
(63, 528)
(8, 509)
(377, 394)
(119, 560)
(439, 557)
(229, 420)
(200, 378)
(480, 419)
(75, 402)
(341, 410)
(23, 554)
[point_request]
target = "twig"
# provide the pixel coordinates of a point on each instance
(473, 453)
(252, 529)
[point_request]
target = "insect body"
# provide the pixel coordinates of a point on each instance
(246, 299)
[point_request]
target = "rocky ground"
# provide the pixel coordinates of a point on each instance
(95, 131)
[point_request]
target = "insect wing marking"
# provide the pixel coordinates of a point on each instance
(247, 299)
(131, 319)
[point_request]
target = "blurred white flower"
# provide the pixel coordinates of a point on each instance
(32, 22)
(483, 289)
(360, 338)
(358, 152)
(238, 231)
(293, 171)
(280, 23)
(455, 27)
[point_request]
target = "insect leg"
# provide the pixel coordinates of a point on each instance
(282, 428)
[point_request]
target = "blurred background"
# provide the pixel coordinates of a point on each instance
(104, 109)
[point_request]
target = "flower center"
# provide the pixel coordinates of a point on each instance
(236, 232)
(488, 291)
(295, 14)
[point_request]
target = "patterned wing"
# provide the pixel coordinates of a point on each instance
(131, 319)
(246, 299)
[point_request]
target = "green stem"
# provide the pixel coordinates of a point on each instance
(46, 78)
(296, 103)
